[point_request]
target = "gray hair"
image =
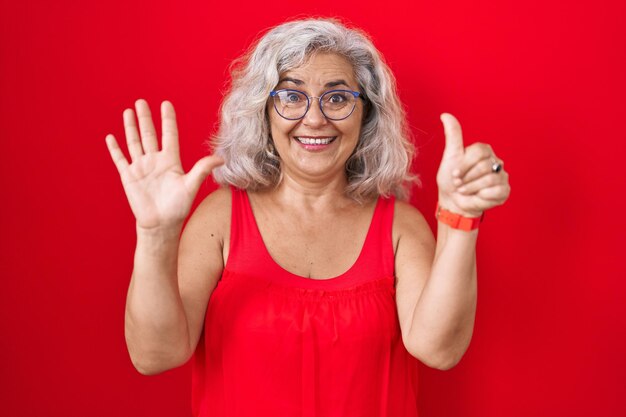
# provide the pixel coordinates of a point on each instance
(380, 164)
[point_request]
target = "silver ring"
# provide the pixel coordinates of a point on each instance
(496, 166)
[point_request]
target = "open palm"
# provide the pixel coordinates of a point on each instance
(158, 190)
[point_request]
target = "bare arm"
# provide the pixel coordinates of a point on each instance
(437, 285)
(156, 327)
(171, 286)
(436, 289)
(160, 194)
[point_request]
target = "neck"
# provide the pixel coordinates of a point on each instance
(312, 195)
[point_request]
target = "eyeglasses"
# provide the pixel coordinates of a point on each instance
(334, 104)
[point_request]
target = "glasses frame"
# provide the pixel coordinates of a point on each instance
(356, 94)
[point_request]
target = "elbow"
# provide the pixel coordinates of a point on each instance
(439, 361)
(439, 358)
(146, 367)
(444, 364)
(156, 357)
(146, 370)
(157, 363)
(149, 368)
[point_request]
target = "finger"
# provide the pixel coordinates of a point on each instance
(474, 154)
(116, 154)
(132, 135)
(200, 170)
(470, 204)
(169, 127)
(146, 127)
(454, 136)
(486, 181)
(481, 168)
(497, 194)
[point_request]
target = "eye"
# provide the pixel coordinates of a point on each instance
(291, 97)
(337, 98)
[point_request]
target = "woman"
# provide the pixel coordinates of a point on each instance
(303, 286)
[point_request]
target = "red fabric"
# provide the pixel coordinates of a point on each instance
(278, 344)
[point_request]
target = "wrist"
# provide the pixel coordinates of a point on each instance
(160, 232)
(158, 244)
(448, 204)
(462, 221)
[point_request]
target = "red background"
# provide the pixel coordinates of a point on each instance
(542, 82)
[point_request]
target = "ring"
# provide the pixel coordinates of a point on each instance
(496, 166)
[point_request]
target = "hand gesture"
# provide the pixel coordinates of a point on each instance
(158, 190)
(470, 180)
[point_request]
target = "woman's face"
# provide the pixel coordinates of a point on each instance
(300, 158)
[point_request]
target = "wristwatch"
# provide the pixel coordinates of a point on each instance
(457, 221)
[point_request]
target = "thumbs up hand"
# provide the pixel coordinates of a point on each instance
(470, 180)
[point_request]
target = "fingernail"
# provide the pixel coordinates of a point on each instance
(457, 181)
(462, 189)
(456, 172)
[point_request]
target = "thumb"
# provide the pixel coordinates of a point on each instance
(454, 135)
(200, 170)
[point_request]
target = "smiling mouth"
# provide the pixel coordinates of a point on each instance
(307, 140)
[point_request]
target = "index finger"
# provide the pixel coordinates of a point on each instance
(169, 127)
(476, 157)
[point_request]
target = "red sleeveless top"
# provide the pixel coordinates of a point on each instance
(276, 344)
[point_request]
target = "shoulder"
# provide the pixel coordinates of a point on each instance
(405, 212)
(409, 224)
(211, 219)
(217, 203)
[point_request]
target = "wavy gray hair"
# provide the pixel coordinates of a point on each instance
(380, 164)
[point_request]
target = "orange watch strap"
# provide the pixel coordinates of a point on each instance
(457, 221)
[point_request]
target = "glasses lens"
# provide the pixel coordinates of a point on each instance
(291, 104)
(338, 104)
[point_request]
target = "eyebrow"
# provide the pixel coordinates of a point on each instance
(333, 83)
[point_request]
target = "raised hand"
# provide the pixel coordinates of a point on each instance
(468, 178)
(158, 190)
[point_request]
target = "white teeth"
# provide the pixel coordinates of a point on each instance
(314, 141)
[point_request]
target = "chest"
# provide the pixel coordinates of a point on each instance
(318, 247)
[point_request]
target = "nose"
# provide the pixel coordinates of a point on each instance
(314, 116)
